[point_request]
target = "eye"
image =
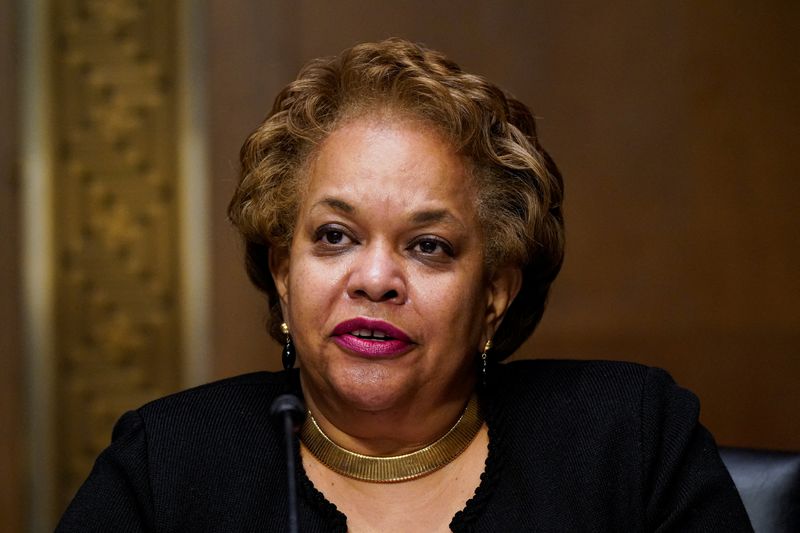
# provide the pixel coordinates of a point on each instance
(432, 247)
(333, 236)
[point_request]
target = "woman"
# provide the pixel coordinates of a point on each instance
(406, 225)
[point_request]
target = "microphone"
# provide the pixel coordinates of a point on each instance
(288, 410)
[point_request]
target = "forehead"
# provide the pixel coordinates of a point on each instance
(393, 163)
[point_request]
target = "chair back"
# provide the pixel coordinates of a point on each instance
(769, 484)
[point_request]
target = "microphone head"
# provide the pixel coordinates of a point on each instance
(288, 404)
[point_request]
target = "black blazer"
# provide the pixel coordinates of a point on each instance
(574, 446)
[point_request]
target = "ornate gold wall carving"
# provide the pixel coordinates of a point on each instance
(117, 323)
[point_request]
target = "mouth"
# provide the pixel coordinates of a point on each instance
(371, 338)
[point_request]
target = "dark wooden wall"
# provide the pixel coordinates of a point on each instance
(676, 128)
(12, 430)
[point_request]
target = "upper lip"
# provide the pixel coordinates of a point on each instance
(362, 323)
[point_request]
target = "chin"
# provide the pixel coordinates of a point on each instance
(371, 388)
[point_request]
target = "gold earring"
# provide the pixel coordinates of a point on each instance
(485, 360)
(288, 355)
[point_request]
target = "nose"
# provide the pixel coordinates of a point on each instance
(377, 275)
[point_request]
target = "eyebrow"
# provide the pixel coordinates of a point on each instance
(434, 215)
(420, 217)
(335, 203)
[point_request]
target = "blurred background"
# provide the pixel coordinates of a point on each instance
(675, 125)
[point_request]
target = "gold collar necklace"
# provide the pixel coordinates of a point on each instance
(392, 469)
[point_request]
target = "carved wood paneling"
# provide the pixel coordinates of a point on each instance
(115, 180)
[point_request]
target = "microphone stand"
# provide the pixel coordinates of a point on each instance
(288, 410)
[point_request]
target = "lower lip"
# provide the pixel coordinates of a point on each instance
(371, 347)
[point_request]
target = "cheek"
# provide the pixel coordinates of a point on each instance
(314, 288)
(304, 294)
(456, 304)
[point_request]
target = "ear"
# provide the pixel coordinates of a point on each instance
(503, 288)
(279, 268)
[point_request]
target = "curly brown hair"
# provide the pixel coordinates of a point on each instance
(520, 189)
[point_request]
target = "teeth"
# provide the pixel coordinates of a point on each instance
(369, 334)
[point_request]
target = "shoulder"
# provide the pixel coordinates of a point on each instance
(174, 459)
(593, 379)
(588, 400)
(622, 435)
(203, 423)
(569, 369)
(193, 443)
(219, 395)
(232, 385)
(205, 411)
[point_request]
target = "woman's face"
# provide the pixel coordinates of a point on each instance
(384, 286)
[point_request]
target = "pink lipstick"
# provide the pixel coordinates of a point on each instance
(371, 338)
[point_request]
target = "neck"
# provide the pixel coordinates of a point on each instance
(406, 428)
